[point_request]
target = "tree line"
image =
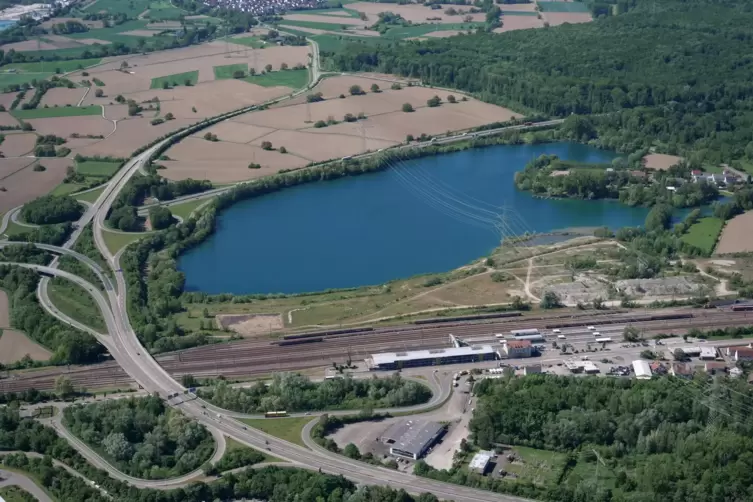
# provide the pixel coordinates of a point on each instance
(549, 176)
(68, 345)
(700, 107)
(141, 436)
(271, 483)
(50, 209)
(294, 392)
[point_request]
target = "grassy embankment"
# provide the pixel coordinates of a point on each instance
(75, 302)
(704, 234)
(288, 429)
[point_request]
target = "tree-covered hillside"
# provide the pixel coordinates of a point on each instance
(675, 73)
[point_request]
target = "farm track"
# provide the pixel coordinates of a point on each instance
(260, 357)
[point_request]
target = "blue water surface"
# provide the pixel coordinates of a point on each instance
(429, 215)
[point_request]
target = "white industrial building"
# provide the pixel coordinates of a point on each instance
(411, 438)
(590, 367)
(642, 369)
(433, 357)
(480, 461)
(708, 353)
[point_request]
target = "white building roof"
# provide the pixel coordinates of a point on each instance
(708, 352)
(481, 460)
(691, 350)
(590, 367)
(393, 357)
(642, 369)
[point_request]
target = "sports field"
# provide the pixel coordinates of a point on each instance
(60, 111)
(176, 79)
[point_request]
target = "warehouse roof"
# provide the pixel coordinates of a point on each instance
(412, 435)
(518, 344)
(642, 369)
(392, 357)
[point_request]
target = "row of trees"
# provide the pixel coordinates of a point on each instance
(271, 483)
(141, 436)
(701, 106)
(294, 392)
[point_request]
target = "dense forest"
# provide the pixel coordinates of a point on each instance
(552, 177)
(674, 74)
(272, 484)
(294, 392)
(69, 346)
(50, 209)
(141, 436)
(656, 440)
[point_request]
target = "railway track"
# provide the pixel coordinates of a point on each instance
(260, 357)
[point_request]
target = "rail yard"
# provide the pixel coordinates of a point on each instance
(254, 358)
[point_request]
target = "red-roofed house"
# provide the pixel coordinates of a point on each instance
(741, 353)
(518, 348)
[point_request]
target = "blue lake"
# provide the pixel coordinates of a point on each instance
(427, 215)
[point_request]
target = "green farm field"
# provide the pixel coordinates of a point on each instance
(9, 79)
(60, 111)
(52, 66)
(563, 6)
(288, 78)
(176, 79)
(704, 234)
(225, 72)
(253, 42)
(97, 169)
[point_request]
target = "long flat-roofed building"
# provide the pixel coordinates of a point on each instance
(642, 369)
(411, 438)
(433, 357)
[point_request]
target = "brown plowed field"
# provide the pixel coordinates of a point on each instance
(511, 23)
(116, 112)
(224, 162)
(30, 45)
(62, 96)
(737, 236)
(412, 12)
(4, 310)
(558, 18)
(386, 125)
(6, 119)
(132, 134)
(7, 98)
(16, 145)
(520, 7)
(660, 161)
(27, 184)
(65, 126)
(14, 345)
(10, 166)
(235, 132)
